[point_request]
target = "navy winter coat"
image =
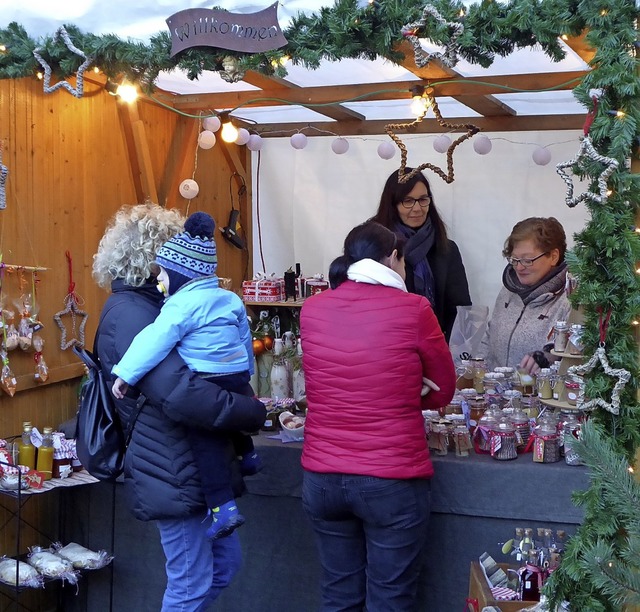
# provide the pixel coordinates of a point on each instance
(161, 479)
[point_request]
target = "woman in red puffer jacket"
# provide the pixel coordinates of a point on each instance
(367, 346)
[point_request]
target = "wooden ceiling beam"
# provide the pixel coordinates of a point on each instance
(485, 104)
(524, 123)
(579, 45)
(457, 88)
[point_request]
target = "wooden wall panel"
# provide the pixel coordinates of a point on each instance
(69, 171)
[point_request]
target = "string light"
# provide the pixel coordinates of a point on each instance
(3, 48)
(127, 92)
(617, 113)
(39, 75)
(604, 12)
(229, 131)
(564, 37)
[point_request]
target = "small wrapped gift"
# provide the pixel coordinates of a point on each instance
(316, 284)
(263, 289)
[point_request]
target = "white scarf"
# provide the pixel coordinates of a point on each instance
(375, 273)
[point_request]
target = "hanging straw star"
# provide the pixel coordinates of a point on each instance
(422, 58)
(600, 356)
(445, 176)
(588, 151)
(72, 302)
(76, 91)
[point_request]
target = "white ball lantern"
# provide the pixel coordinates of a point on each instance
(482, 145)
(386, 150)
(298, 141)
(206, 139)
(189, 189)
(211, 123)
(255, 142)
(340, 146)
(243, 136)
(541, 156)
(442, 143)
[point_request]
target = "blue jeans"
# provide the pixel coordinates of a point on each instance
(370, 533)
(197, 568)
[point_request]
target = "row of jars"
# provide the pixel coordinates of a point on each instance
(505, 434)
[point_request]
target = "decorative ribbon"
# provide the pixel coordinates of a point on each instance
(591, 115)
(603, 325)
(72, 286)
(541, 573)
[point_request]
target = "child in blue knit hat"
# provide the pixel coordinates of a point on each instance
(209, 327)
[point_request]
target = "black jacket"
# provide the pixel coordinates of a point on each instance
(161, 478)
(451, 287)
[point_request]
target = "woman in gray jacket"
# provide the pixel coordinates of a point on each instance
(533, 297)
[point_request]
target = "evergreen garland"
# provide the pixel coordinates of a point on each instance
(600, 569)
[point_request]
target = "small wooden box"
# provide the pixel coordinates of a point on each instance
(479, 590)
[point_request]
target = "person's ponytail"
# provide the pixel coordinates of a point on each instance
(338, 270)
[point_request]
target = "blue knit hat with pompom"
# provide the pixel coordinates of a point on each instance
(191, 253)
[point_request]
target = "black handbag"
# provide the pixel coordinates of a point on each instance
(101, 440)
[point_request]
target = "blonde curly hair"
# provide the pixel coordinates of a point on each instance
(129, 245)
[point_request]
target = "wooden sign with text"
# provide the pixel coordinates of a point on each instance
(250, 33)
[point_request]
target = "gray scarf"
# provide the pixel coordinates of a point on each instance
(551, 283)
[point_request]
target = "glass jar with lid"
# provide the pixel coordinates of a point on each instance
(454, 406)
(572, 389)
(512, 400)
(522, 427)
(543, 383)
(482, 433)
(461, 440)
(465, 374)
(511, 377)
(571, 427)
(574, 345)
(546, 445)
(439, 437)
(560, 336)
(503, 440)
(493, 383)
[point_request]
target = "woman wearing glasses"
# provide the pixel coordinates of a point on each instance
(533, 297)
(433, 263)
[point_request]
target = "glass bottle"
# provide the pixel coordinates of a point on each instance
(479, 369)
(543, 382)
(26, 449)
(530, 582)
(560, 336)
(44, 462)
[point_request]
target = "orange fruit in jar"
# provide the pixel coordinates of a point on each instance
(258, 346)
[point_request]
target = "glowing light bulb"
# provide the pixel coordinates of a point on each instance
(40, 75)
(96, 70)
(229, 132)
(461, 13)
(564, 37)
(418, 106)
(127, 92)
(3, 48)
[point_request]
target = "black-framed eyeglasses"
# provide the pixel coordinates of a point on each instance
(525, 262)
(409, 203)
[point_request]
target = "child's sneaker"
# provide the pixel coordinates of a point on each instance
(225, 519)
(250, 464)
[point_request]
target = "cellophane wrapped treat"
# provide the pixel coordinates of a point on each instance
(81, 557)
(27, 576)
(51, 565)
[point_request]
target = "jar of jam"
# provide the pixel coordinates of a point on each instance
(465, 374)
(454, 406)
(479, 370)
(503, 441)
(493, 383)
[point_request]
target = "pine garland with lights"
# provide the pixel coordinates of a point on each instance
(600, 569)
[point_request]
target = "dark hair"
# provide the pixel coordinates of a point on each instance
(394, 192)
(369, 240)
(547, 233)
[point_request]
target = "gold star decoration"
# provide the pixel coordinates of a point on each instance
(621, 374)
(71, 308)
(445, 176)
(76, 91)
(422, 58)
(587, 150)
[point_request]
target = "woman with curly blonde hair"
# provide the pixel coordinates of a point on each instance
(161, 477)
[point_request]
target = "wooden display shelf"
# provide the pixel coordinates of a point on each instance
(287, 304)
(567, 355)
(559, 404)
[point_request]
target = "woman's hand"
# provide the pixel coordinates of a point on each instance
(529, 365)
(427, 385)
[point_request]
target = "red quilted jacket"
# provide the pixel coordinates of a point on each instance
(365, 350)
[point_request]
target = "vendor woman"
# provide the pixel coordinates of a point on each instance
(533, 297)
(433, 263)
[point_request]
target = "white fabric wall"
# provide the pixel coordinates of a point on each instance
(309, 199)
